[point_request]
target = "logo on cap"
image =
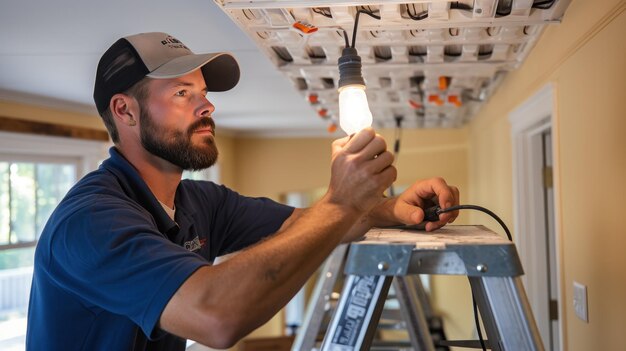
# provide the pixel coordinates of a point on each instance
(173, 43)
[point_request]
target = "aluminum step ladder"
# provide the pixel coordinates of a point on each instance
(408, 292)
(489, 260)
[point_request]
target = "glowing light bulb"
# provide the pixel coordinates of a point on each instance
(354, 112)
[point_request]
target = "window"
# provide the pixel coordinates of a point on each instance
(35, 174)
(29, 191)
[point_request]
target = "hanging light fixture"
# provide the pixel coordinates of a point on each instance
(354, 111)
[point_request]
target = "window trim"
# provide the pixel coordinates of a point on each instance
(89, 153)
(18, 147)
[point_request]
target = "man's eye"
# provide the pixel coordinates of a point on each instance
(181, 93)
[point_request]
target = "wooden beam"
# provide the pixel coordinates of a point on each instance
(9, 124)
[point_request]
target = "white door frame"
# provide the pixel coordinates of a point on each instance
(528, 121)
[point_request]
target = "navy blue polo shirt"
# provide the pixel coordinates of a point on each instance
(110, 258)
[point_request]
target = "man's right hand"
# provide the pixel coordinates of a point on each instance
(361, 170)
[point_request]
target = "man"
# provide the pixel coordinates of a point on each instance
(124, 263)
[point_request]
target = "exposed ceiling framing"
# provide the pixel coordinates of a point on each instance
(431, 62)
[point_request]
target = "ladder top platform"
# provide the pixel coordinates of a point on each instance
(471, 250)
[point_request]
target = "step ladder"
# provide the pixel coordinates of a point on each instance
(409, 294)
(490, 262)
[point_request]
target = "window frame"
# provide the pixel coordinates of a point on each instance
(84, 154)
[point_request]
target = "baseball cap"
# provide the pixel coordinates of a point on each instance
(157, 55)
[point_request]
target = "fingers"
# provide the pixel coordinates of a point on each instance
(380, 162)
(424, 194)
(388, 175)
(339, 144)
(361, 169)
(360, 140)
(368, 147)
(447, 196)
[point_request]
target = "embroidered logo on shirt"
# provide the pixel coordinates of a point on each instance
(195, 244)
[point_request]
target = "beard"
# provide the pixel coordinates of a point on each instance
(175, 146)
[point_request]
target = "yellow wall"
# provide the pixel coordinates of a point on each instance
(585, 58)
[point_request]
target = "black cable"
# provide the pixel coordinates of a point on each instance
(437, 211)
(481, 209)
(416, 16)
(460, 6)
(504, 13)
(543, 5)
(480, 333)
(356, 22)
(321, 12)
(504, 8)
(345, 37)
(396, 146)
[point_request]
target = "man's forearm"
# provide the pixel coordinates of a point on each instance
(380, 216)
(257, 282)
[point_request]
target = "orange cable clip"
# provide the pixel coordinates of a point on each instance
(443, 83)
(454, 99)
(305, 27)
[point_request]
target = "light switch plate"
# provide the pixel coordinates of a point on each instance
(580, 301)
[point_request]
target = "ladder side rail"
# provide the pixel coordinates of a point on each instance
(320, 297)
(506, 313)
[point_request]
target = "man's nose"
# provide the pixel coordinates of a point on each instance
(206, 108)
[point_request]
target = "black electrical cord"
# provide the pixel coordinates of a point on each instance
(345, 37)
(396, 146)
(480, 333)
(432, 214)
(356, 22)
(477, 208)
(543, 5)
(460, 6)
(504, 13)
(321, 12)
(416, 16)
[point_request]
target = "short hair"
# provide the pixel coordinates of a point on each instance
(140, 92)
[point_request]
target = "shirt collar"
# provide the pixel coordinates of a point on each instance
(137, 189)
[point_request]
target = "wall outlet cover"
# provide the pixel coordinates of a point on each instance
(580, 301)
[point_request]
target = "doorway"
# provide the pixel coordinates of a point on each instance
(535, 211)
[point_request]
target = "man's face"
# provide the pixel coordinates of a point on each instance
(176, 123)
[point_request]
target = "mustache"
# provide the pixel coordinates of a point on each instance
(202, 123)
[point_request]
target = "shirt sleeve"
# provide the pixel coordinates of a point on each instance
(110, 255)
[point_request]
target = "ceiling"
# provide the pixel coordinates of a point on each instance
(51, 48)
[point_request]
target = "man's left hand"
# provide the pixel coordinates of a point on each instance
(408, 208)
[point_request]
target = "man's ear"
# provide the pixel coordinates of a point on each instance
(124, 109)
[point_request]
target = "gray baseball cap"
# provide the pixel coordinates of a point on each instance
(160, 56)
